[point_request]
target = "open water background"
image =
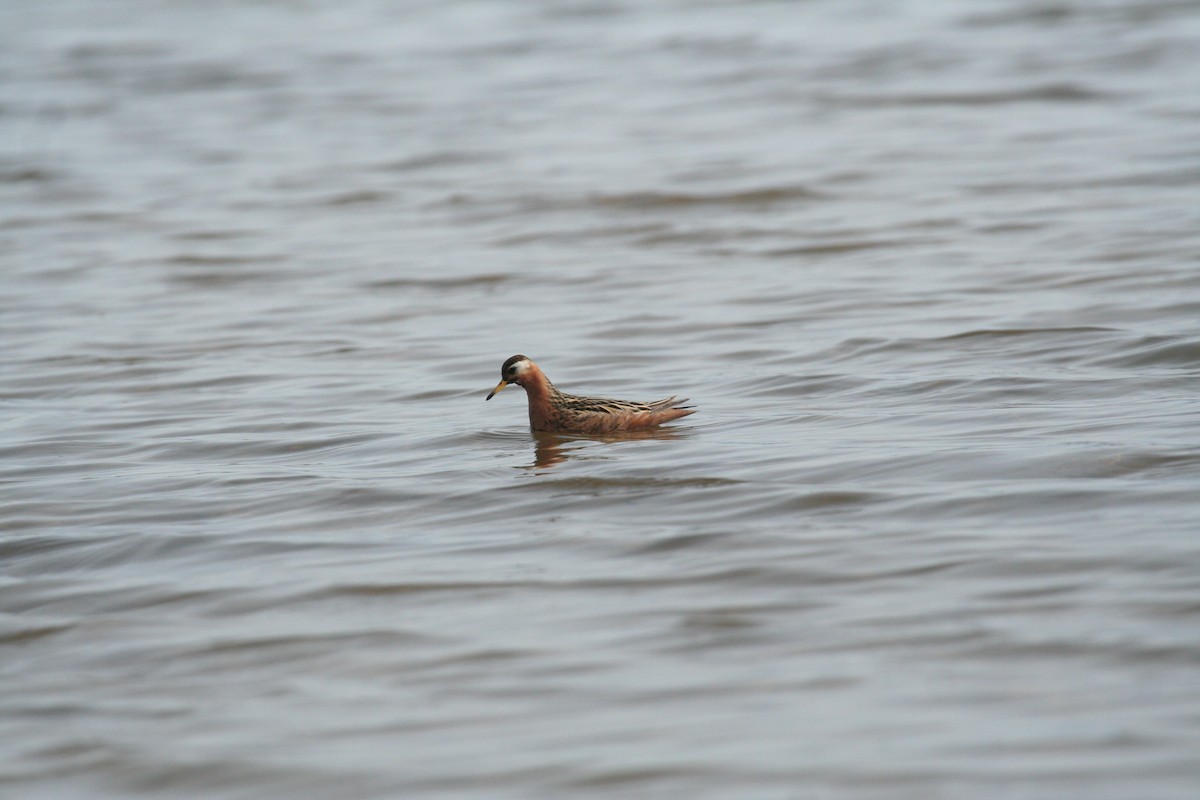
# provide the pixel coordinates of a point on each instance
(930, 270)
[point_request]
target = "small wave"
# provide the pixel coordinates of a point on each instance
(1156, 351)
(835, 248)
(1006, 333)
(23, 634)
(484, 280)
(19, 174)
(1049, 93)
(639, 483)
(430, 161)
(656, 199)
(354, 198)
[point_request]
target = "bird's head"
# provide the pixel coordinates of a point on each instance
(515, 370)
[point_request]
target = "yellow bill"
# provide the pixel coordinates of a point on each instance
(495, 391)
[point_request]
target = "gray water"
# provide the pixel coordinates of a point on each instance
(929, 270)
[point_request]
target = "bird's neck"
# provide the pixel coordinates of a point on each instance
(540, 392)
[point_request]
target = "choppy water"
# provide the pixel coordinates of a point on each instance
(929, 270)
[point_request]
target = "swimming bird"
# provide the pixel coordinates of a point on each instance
(552, 410)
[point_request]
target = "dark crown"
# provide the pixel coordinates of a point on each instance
(512, 361)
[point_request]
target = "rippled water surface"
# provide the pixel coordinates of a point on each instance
(929, 270)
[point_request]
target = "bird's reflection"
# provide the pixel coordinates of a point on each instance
(552, 449)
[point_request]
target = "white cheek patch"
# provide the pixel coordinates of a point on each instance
(519, 368)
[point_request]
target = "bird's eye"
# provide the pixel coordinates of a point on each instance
(512, 370)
